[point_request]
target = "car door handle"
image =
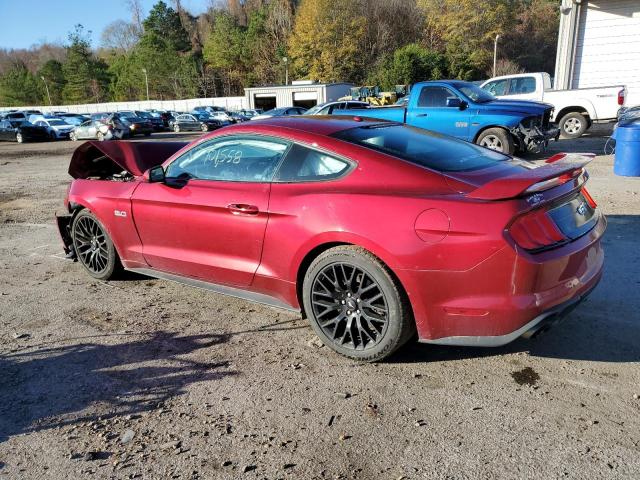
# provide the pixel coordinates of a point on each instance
(243, 209)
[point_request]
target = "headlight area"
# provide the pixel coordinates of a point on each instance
(531, 134)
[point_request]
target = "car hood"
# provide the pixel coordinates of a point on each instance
(134, 157)
(524, 107)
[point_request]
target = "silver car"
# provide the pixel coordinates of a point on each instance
(92, 129)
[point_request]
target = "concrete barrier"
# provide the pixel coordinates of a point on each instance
(229, 103)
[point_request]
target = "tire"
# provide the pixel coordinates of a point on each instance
(176, 128)
(19, 138)
(497, 139)
(573, 125)
(204, 127)
(100, 136)
(372, 331)
(93, 246)
(73, 137)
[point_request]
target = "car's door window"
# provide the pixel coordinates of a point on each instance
(522, 85)
(497, 87)
(303, 164)
(434, 97)
(233, 159)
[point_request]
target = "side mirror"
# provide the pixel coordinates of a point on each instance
(155, 174)
(454, 102)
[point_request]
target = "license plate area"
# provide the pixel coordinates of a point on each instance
(575, 217)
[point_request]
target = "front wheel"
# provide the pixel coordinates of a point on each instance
(19, 138)
(204, 127)
(497, 139)
(73, 137)
(573, 125)
(355, 305)
(100, 137)
(94, 247)
(176, 128)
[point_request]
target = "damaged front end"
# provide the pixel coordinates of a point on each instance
(106, 170)
(533, 133)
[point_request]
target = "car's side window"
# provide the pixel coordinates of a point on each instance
(232, 159)
(434, 97)
(497, 87)
(522, 85)
(304, 164)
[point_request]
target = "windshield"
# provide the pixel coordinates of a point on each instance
(422, 147)
(144, 115)
(475, 93)
(314, 110)
(201, 116)
(57, 123)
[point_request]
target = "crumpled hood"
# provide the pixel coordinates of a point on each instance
(134, 157)
(526, 107)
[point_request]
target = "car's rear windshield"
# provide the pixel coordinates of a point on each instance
(422, 147)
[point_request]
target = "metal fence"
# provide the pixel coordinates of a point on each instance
(229, 103)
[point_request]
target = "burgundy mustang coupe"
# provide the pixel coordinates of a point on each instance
(374, 230)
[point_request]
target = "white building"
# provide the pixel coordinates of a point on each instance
(303, 93)
(599, 45)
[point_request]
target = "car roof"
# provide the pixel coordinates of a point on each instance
(318, 124)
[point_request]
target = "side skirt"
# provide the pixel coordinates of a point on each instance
(214, 287)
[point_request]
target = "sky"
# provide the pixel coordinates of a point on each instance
(24, 23)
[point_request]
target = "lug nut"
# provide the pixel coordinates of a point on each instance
(343, 302)
(349, 294)
(348, 312)
(357, 311)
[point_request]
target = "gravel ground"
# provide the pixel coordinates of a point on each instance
(143, 378)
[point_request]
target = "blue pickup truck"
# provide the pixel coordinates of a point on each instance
(463, 110)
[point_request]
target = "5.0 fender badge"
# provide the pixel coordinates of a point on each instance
(120, 213)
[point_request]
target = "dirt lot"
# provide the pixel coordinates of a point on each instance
(144, 378)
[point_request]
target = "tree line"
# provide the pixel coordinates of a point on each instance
(243, 43)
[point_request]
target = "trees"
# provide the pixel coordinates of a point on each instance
(18, 86)
(241, 43)
(326, 41)
(86, 77)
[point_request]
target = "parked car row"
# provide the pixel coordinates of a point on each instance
(34, 125)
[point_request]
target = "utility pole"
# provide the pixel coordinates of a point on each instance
(47, 88)
(495, 54)
(286, 70)
(146, 81)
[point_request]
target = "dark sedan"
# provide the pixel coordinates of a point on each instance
(135, 124)
(188, 121)
(20, 131)
(156, 121)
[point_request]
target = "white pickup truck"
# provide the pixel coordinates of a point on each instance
(574, 110)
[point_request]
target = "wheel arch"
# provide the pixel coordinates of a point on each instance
(313, 253)
(573, 109)
(487, 127)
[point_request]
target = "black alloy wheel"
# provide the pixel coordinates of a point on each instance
(355, 304)
(93, 246)
(349, 306)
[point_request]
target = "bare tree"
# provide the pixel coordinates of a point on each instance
(120, 35)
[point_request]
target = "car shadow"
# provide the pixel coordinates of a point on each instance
(604, 328)
(595, 140)
(51, 387)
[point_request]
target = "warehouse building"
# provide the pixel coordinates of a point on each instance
(599, 45)
(302, 93)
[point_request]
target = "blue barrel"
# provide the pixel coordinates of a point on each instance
(627, 160)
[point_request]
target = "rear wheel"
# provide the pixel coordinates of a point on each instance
(573, 125)
(19, 137)
(100, 137)
(355, 305)
(497, 139)
(176, 128)
(94, 247)
(73, 136)
(204, 127)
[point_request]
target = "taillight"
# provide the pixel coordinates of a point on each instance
(536, 230)
(592, 203)
(621, 97)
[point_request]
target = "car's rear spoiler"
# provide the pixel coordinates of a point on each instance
(554, 171)
(134, 157)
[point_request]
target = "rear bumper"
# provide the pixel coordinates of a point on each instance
(505, 296)
(539, 324)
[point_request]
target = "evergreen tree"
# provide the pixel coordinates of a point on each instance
(19, 87)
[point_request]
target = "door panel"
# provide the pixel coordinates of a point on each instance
(194, 231)
(431, 113)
